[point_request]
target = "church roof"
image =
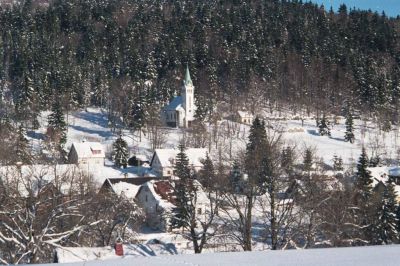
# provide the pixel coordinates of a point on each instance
(175, 104)
(188, 80)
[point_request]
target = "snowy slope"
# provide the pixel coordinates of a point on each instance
(355, 256)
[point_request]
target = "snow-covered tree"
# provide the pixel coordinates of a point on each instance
(57, 127)
(385, 220)
(337, 163)
(21, 148)
(120, 149)
(349, 135)
(323, 127)
(38, 215)
(189, 192)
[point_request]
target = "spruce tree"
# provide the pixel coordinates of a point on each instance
(364, 178)
(349, 135)
(235, 178)
(323, 127)
(337, 163)
(287, 160)
(182, 211)
(363, 199)
(57, 124)
(207, 174)
(256, 152)
(385, 224)
(120, 152)
(21, 147)
(308, 160)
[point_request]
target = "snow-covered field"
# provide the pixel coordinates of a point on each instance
(354, 256)
(93, 126)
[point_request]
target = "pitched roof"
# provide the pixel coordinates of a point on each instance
(88, 149)
(188, 80)
(130, 180)
(167, 156)
(244, 114)
(175, 104)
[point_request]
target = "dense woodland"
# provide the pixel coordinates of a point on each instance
(128, 56)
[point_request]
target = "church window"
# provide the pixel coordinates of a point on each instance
(190, 102)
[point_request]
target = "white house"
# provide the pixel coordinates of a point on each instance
(163, 160)
(157, 198)
(180, 111)
(86, 153)
(244, 117)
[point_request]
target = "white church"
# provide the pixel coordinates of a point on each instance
(180, 111)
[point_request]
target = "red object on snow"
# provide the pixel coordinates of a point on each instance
(119, 249)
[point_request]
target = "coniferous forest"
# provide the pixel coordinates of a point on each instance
(128, 56)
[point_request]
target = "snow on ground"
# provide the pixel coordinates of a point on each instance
(81, 254)
(92, 125)
(353, 256)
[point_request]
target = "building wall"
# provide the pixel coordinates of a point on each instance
(154, 213)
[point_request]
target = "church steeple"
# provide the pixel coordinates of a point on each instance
(188, 80)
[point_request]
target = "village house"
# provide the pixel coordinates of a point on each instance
(86, 153)
(163, 160)
(180, 111)
(157, 198)
(244, 117)
(124, 186)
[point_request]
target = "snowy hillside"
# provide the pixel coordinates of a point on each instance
(92, 125)
(355, 256)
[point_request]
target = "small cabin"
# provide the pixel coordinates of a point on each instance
(163, 160)
(86, 153)
(244, 117)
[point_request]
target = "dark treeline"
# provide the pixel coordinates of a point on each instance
(92, 52)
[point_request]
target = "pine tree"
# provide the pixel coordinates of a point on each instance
(256, 152)
(364, 178)
(207, 174)
(323, 126)
(308, 160)
(22, 147)
(57, 125)
(363, 199)
(385, 224)
(182, 211)
(349, 135)
(287, 160)
(235, 178)
(120, 152)
(337, 163)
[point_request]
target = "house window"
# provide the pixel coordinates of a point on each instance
(199, 211)
(168, 172)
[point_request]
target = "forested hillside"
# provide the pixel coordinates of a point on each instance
(129, 55)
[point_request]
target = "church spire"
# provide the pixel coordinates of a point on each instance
(188, 80)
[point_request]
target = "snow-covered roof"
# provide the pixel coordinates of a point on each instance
(244, 114)
(81, 254)
(168, 156)
(88, 149)
(163, 203)
(32, 178)
(175, 104)
(381, 174)
(126, 189)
